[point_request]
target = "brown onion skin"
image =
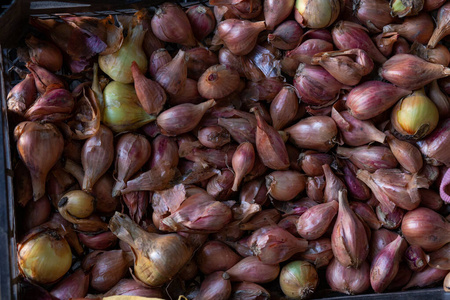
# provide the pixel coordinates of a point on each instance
(311, 162)
(285, 185)
(414, 28)
(316, 133)
(349, 238)
(206, 257)
(202, 20)
(214, 286)
(385, 265)
(426, 228)
(249, 291)
(171, 24)
(315, 221)
(371, 98)
(199, 59)
(349, 35)
(374, 14)
(400, 70)
(73, 286)
(253, 270)
(319, 252)
(349, 281)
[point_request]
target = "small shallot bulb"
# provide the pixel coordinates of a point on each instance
(286, 35)
(315, 85)
(182, 118)
(22, 95)
(171, 24)
(316, 132)
(349, 281)
(202, 20)
(317, 14)
(443, 27)
(218, 81)
(150, 94)
(406, 153)
(269, 144)
(273, 244)
(206, 257)
(44, 53)
(415, 116)
(159, 58)
(349, 35)
(369, 158)
(44, 256)
(333, 184)
(40, 146)
(213, 136)
(76, 203)
(97, 156)
(73, 286)
(373, 14)
(242, 163)
(315, 221)
(240, 36)
(132, 152)
(172, 76)
(253, 270)
(276, 12)
(401, 70)
(426, 228)
(284, 106)
(349, 239)
(371, 98)
(348, 67)
(385, 265)
(440, 99)
(298, 279)
(285, 185)
(215, 286)
(355, 132)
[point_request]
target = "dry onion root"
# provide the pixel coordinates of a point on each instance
(254, 154)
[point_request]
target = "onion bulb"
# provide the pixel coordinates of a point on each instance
(122, 109)
(415, 116)
(118, 64)
(44, 256)
(298, 279)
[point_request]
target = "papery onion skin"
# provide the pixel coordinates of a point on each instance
(298, 279)
(350, 281)
(316, 133)
(426, 228)
(44, 257)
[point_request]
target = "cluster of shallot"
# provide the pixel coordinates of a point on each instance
(234, 151)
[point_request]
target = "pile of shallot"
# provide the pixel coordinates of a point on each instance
(243, 150)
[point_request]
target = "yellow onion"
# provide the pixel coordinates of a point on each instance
(317, 14)
(122, 109)
(415, 116)
(118, 64)
(44, 256)
(298, 279)
(77, 203)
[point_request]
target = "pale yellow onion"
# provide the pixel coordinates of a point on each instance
(122, 109)
(118, 64)
(44, 257)
(415, 115)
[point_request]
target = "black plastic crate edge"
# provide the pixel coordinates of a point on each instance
(8, 256)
